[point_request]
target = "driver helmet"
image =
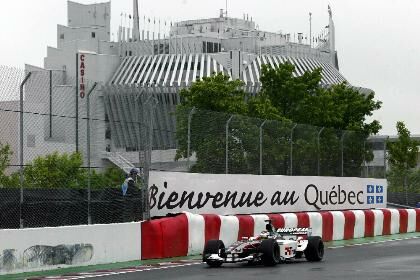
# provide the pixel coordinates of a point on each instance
(264, 234)
(134, 171)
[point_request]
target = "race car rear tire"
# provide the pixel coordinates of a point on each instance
(314, 252)
(214, 247)
(270, 252)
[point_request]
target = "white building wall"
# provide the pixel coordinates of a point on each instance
(99, 68)
(9, 130)
(66, 59)
(240, 41)
(67, 34)
(80, 15)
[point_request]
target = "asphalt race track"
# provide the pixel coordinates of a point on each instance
(381, 261)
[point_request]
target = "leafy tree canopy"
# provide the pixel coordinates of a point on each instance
(63, 171)
(403, 159)
(286, 99)
(403, 152)
(5, 154)
(303, 100)
(55, 171)
(299, 99)
(216, 93)
(220, 94)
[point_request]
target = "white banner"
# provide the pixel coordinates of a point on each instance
(172, 192)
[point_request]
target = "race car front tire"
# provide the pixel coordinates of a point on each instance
(270, 252)
(214, 247)
(298, 255)
(314, 252)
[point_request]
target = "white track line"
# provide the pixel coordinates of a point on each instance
(125, 271)
(373, 242)
(129, 271)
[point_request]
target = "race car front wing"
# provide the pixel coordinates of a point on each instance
(232, 258)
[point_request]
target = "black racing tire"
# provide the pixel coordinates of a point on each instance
(270, 252)
(314, 252)
(214, 247)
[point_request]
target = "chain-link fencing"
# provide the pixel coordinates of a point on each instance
(404, 187)
(56, 161)
(66, 163)
(214, 142)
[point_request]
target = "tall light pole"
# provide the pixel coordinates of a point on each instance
(310, 29)
(22, 85)
(88, 150)
(227, 145)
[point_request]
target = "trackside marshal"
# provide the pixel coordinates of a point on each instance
(227, 194)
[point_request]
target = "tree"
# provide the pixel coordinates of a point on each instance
(216, 101)
(284, 100)
(216, 93)
(286, 92)
(402, 156)
(5, 154)
(403, 152)
(112, 177)
(55, 171)
(339, 107)
(303, 100)
(66, 171)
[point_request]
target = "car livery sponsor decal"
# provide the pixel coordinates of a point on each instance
(296, 231)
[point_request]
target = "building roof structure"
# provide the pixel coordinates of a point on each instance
(143, 65)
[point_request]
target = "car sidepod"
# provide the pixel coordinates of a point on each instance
(287, 249)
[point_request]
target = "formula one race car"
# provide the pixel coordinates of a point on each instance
(270, 247)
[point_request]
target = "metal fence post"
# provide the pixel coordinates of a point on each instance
(406, 183)
(291, 150)
(342, 153)
(148, 152)
(385, 148)
(139, 135)
(88, 149)
(227, 145)
(190, 115)
(77, 103)
(50, 105)
(21, 220)
(363, 172)
(261, 146)
(319, 151)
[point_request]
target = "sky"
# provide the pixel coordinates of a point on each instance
(378, 41)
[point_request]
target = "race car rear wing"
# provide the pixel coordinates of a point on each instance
(295, 231)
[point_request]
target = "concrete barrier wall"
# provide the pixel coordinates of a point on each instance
(187, 233)
(47, 248)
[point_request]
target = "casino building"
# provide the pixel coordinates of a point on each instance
(141, 69)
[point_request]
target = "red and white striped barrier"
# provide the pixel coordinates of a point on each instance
(187, 233)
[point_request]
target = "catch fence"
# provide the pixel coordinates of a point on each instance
(63, 158)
